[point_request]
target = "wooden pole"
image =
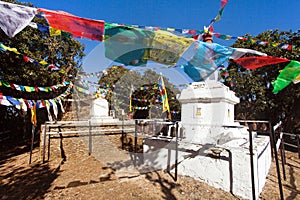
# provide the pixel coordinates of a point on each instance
(32, 142)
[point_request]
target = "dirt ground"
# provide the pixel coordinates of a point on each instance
(73, 174)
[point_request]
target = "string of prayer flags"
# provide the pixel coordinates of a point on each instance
(126, 45)
(254, 62)
(227, 37)
(28, 59)
(77, 26)
(218, 17)
(177, 31)
(286, 76)
(253, 41)
(82, 90)
(33, 88)
(50, 30)
(140, 108)
(146, 100)
(14, 17)
(6, 48)
(4, 101)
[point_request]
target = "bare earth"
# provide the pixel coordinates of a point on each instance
(84, 177)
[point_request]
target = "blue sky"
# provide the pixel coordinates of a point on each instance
(239, 17)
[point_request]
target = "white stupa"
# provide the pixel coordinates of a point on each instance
(212, 147)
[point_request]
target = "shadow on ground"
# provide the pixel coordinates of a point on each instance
(23, 181)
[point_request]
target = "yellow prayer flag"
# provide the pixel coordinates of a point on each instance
(167, 48)
(54, 32)
(33, 115)
(43, 62)
(163, 94)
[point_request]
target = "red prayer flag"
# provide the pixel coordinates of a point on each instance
(12, 86)
(254, 62)
(26, 59)
(77, 26)
(223, 3)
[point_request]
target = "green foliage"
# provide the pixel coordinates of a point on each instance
(254, 87)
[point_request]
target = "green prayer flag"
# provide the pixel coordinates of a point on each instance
(286, 76)
(126, 45)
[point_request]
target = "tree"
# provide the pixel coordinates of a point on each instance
(255, 89)
(61, 51)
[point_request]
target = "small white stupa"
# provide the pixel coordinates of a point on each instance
(100, 110)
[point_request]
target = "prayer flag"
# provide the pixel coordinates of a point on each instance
(4, 101)
(254, 62)
(14, 17)
(77, 26)
(130, 98)
(54, 31)
(12, 100)
(163, 94)
(286, 76)
(44, 29)
(33, 115)
(126, 45)
(206, 59)
(218, 17)
(166, 48)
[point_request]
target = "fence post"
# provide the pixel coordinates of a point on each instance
(282, 157)
(251, 161)
(277, 163)
(123, 136)
(271, 138)
(176, 150)
(44, 141)
(90, 138)
(298, 145)
(135, 142)
(32, 141)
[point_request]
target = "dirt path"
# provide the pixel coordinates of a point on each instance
(85, 177)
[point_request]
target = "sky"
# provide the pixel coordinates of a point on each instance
(240, 17)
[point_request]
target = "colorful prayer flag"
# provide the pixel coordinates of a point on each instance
(254, 62)
(54, 31)
(126, 45)
(77, 26)
(163, 94)
(166, 48)
(206, 59)
(33, 115)
(286, 76)
(218, 17)
(14, 17)
(130, 98)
